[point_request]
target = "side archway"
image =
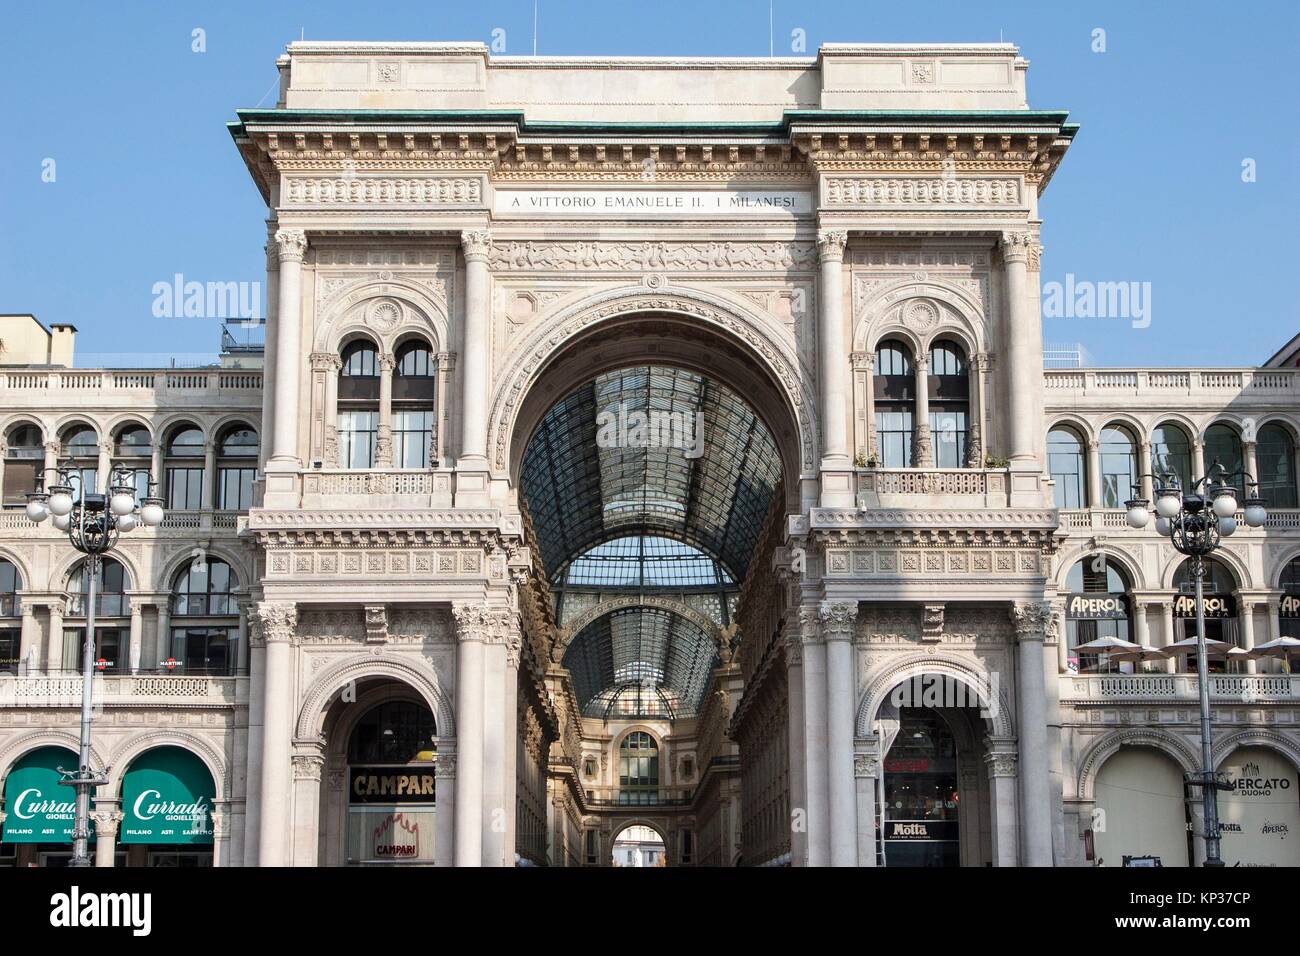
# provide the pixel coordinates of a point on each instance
(964, 672)
(327, 686)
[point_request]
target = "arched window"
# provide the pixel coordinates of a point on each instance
(395, 732)
(1223, 444)
(358, 410)
(24, 460)
(1118, 466)
(205, 618)
(80, 443)
(638, 769)
(1275, 459)
(413, 403)
(949, 404)
(112, 613)
(133, 447)
(11, 583)
(236, 468)
(1068, 466)
(1289, 606)
(895, 394)
(184, 468)
(1221, 623)
(1098, 606)
(1171, 454)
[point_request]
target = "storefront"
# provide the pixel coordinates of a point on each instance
(1141, 809)
(920, 822)
(1260, 815)
(1097, 606)
(167, 799)
(392, 787)
(1289, 605)
(39, 810)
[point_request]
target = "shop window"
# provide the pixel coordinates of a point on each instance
(111, 610)
(919, 821)
(1221, 623)
(392, 787)
(10, 618)
(1098, 606)
(1289, 603)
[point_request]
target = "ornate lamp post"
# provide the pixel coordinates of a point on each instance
(92, 522)
(1196, 521)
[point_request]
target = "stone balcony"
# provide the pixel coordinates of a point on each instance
(123, 690)
(59, 386)
(946, 488)
(1086, 689)
(1116, 520)
(1266, 387)
(377, 488)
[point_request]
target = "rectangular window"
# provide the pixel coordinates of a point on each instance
(236, 487)
(412, 438)
(184, 489)
(205, 650)
(20, 478)
(894, 436)
(948, 436)
(357, 439)
(110, 646)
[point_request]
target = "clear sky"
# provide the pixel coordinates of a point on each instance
(148, 183)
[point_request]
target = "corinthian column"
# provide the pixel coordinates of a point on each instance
(793, 647)
(837, 622)
(832, 357)
(106, 824)
(474, 361)
(1031, 621)
(1024, 339)
(292, 246)
(276, 627)
(923, 445)
(817, 807)
(471, 634)
(384, 438)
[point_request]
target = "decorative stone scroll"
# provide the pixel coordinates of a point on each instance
(652, 256)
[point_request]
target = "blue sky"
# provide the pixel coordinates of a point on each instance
(148, 183)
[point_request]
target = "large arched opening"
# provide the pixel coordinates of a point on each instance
(650, 453)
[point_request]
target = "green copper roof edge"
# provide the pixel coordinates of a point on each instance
(517, 118)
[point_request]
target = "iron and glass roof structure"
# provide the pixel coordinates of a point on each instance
(649, 479)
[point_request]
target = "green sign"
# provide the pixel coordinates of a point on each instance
(39, 809)
(167, 798)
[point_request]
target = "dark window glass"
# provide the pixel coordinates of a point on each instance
(1118, 466)
(1068, 467)
(893, 358)
(360, 360)
(415, 361)
(1171, 453)
(236, 488)
(1223, 444)
(186, 443)
(134, 441)
(398, 732)
(1275, 459)
(10, 583)
(204, 589)
(81, 441)
(947, 359)
(112, 581)
(638, 768)
(239, 442)
(184, 489)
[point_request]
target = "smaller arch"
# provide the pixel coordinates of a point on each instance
(1081, 425)
(345, 311)
(316, 703)
(21, 746)
(1235, 564)
(962, 305)
(1257, 737)
(1099, 750)
(212, 757)
(1130, 565)
(964, 671)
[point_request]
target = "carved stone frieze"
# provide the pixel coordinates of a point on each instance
(539, 256)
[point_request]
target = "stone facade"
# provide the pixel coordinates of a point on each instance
(773, 224)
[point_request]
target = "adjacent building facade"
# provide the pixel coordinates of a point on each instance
(649, 454)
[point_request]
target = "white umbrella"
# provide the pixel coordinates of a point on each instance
(1107, 645)
(1143, 652)
(1187, 645)
(1278, 647)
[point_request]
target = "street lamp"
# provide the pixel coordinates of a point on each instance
(1196, 521)
(92, 522)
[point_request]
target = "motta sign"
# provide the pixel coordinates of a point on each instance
(1096, 607)
(920, 830)
(651, 202)
(392, 785)
(1216, 606)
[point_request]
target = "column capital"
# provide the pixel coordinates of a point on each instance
(863, 361)
(292, 244)
(1031, 619)
(830, 245)
(273, 622)
(809, 631)
(444, 766)
(836, 619)
(325, 361)
(476, 244)
(1017, 246)
(308, 766)
(866, 766)
(106, 822)
(387, 362)
(1000, 763)
(484, 625)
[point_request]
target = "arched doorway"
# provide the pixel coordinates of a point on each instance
(1097, 606)
(1141, 809)
(1218, 588)
(382, 797)
(934, 790)
(639, 847)
(650, 453)
(1260, 816)
(167, 803)
(39, 810)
